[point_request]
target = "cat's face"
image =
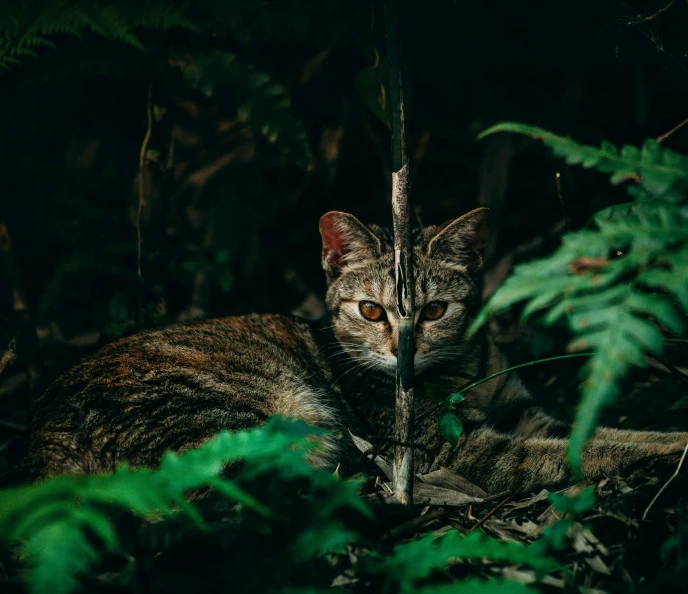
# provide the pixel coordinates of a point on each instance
(361, 298)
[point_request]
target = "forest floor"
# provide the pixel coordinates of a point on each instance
(622, 542)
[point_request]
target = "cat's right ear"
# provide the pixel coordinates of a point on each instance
(345, 240)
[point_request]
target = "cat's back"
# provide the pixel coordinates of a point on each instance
(174, 388)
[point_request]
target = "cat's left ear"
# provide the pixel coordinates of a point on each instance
(462, 241)
(345, 241)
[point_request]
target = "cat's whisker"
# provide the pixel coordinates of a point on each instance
(342, 353)
(367, 366)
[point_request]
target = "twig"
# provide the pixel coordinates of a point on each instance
(670, 132)
(671, 478)
(642, 19)
(488, 515)
(403, 264)
(682, 377)
(142, 163)
(417, 523)
(567, 220)
(9, 357)
(492, 497)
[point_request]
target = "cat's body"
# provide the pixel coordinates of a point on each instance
(173, 389)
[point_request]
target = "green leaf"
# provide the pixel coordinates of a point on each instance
(22, 29)
(555, 536)
(419, 559)
(456, 398)
(576, 504)
(478, 586)
(656, 168)
(63, 525)
(681, 403)
(451, 427)
(259, 101)
(604, 301)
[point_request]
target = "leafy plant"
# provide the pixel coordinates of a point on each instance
(64, 525)
(218, 268)
(26, 25)
(571, 507)
(262, 102)
(415, 561)
(450, 425)
(618, 285)
(658, 171)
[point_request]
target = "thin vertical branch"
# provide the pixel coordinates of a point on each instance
(403, 261)
(142, 172)
(560, 195)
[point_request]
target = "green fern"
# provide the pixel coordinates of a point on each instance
(417, 560)
(478, 586)
(658, 171)
(605, 300)
(57, 521)
(26, 25)
(261, 101)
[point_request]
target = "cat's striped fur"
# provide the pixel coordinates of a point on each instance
(175, 388)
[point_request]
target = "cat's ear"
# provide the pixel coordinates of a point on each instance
(461, 242)
(345, 240)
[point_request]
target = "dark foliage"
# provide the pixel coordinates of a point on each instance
(170, 160)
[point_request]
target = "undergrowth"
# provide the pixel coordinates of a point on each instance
(276, 521)
(620, 284)
(29, 28)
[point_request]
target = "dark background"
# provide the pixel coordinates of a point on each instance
(230, 220)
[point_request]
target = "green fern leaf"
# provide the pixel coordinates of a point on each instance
(419, 559)
(261, 102)
(604, 301)
(57, 519)
(478, 586)
(29, 24)
(657, 169)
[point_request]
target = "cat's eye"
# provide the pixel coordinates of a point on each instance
(372, 311)
(434, 310)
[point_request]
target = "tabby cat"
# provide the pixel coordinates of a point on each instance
(172, 389)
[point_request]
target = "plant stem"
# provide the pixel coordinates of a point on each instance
(503, 371)
(403, 264)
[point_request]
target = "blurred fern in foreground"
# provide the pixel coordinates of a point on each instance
(273, 527)
(620, 285)
(64, 525)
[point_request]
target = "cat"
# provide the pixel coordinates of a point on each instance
(174, 388)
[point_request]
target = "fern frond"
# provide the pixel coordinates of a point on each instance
(419, 559)
(478, 586)
(605, 301)
(58, 519)
(656, 169)
(262, 102)
(25, 23)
